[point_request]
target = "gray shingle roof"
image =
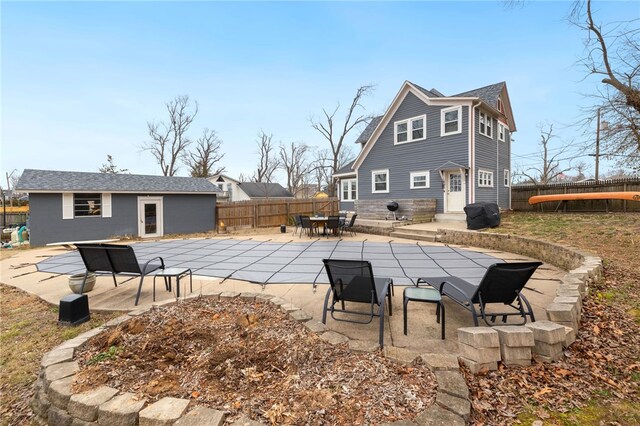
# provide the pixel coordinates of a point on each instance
(368, 131)
(488, 94)
(262, 190)
(59, 181)
(346, 168)
(429, 93)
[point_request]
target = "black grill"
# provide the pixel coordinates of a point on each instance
(392, 206)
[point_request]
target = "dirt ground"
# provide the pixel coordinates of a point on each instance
(248, 358)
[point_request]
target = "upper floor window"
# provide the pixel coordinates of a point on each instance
(450, 121)
(485, 178)
(486, 125)
(419, 179)
(411, 130)
(507, 177)
(87, 204)
(501, 132)
(348, 190)
(380, 181)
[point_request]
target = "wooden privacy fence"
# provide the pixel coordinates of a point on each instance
(520, 196)
(272, 212)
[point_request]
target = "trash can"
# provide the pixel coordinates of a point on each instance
(283, 229)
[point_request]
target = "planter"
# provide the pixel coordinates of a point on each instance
(75, 282)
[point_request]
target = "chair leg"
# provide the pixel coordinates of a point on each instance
(441, 305)
(381, 332)
(115, 283)
(324, 309)
(84, 281)
(139, 290)
(405, 302)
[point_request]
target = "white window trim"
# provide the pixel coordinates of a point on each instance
(502, 129)
(409, 121)
(487, 119)
(373, 181)
(106, 204)
(67, 205)
(489, 174)
(442, 123)
(352, 185)
(506, 177)
(421, 173)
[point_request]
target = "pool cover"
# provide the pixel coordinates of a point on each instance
(268, 262)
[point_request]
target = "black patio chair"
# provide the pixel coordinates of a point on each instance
(307, 226)
(298, 222)
(502, 283)
(116, 259)
(353, 281)
(332, 226)
(349, 226)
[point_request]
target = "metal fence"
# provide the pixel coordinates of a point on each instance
(521, 193)
(272, 212)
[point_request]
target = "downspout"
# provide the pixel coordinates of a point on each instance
(472, 160)
(497, 179)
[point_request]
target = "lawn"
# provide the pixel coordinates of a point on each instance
(28, 329)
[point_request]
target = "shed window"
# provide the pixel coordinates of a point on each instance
(87, 204)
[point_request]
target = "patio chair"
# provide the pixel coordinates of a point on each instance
(307, 226)
(332, 226)
(298, 222)
(116, 259)
(353, 281)
(502, 283)
(349, 226)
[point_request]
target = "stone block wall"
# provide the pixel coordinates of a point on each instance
(414, 209)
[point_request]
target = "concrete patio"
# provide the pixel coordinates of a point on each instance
(20, 271)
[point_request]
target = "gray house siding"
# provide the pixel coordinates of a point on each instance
(427, 154)
(347, 206)
(493, 156)
(182, 214)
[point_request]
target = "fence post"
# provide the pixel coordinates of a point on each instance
(286, 220)
(624, 202)
(255, 215)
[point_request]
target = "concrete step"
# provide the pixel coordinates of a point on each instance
(414, 236)
(415, 231)
(450, 217)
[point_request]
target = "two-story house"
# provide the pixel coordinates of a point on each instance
(455, 150)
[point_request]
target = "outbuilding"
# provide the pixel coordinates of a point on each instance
(79, 206)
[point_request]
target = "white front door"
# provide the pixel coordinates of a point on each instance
(454, 192)
(150, 223)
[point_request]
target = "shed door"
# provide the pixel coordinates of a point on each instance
(150, 218)
(455, 192)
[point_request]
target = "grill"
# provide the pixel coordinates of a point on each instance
(392, 206)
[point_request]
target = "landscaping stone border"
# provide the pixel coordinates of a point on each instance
(563, 314)
(55, 404)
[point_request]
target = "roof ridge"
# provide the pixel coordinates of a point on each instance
(480, 88)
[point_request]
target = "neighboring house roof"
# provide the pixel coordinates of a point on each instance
(368, 131)
(488, 94)
(61, 181)
(264, 190)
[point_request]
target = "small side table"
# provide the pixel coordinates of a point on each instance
(169, 273)
(422, 294)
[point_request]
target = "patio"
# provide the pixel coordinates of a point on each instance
(423, 337)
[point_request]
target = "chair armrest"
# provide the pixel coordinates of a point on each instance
(144, 268)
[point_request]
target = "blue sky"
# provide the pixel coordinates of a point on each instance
(80, 80)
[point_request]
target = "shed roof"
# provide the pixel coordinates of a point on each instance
(265, 190)
(61, 181)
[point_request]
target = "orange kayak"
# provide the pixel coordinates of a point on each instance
(626, 195)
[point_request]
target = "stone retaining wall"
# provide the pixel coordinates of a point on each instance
(55, 404)
(414, 209)
(563, 314)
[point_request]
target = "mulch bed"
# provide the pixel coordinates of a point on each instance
(250, 359)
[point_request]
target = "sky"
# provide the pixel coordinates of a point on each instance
(80, 80)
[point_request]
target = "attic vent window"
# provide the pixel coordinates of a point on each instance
(411, 130)
(500, 106)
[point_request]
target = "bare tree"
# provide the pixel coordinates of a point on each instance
(169, 141)
(206, 154)
(269, 162)
(111, 168)
(550, 169)
(581, 169)
(613, 52)
(295, 164)
(335, 133)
